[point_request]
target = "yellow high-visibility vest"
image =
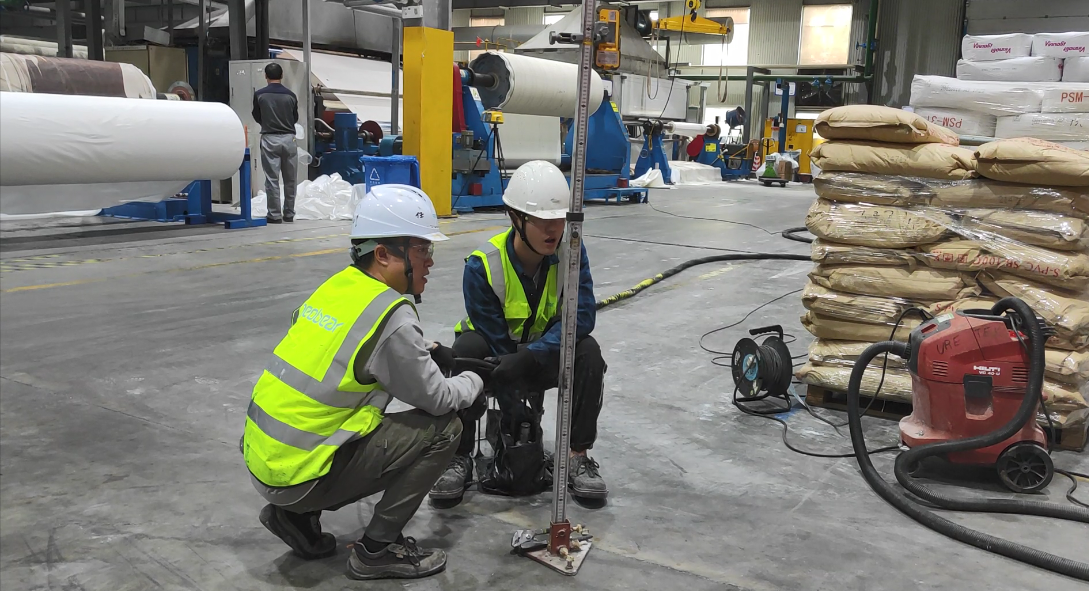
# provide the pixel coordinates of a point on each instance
(506, 285)
(308, 402)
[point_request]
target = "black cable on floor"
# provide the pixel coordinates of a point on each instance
(692, 217)
(792, 234)
(1073, 476)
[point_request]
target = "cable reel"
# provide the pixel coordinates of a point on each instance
(762, 370)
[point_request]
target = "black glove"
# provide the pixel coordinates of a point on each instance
(443, 357)
(514, 369)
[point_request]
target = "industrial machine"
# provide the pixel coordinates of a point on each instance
(969, 376)
(977, 378)
(340, 148)
(799, 137)
(734, 161)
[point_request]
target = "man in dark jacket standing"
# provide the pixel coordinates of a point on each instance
(277, 110)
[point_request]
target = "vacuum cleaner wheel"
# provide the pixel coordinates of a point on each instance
(1025, 468)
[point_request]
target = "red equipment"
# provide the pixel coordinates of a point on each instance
(969, 375)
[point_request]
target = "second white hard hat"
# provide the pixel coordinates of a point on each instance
(539, 189)
(391, 211)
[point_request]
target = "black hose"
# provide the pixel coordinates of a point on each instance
(792, 234)
(1025, 413)
(937, 523)
(756, 256)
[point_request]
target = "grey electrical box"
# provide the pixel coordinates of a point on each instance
(248, 76)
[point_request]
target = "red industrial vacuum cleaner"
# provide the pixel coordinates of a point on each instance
(977, 379)
(969, 376)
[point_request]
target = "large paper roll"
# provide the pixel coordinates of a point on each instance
(533, 86)
(686, 129)
(60, 140)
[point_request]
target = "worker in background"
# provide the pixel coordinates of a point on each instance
(277, 110)
(512, 296)
(316, 438)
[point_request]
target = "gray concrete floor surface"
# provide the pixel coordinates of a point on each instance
(129, 351)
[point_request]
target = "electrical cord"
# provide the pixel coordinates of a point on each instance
(792, 234)
(692, 217)
(1073, 476)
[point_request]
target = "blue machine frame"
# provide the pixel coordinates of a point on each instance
(608, 161)
(731, 167)
(196, 208)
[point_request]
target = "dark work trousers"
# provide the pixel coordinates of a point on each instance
(404, 457)
(587, 391)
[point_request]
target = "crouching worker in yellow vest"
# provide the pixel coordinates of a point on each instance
(316, 438)
(512, 288)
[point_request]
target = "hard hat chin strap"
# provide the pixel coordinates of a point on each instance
(521, 229)
(358, 251)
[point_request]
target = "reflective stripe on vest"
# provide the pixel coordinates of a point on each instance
(507, 286)
(308, 402)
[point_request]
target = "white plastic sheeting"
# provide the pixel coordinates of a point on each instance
(651, 179)
(59, 139)
(995, 47)
(996, 98)
(962, 121)
(1076, 69)
(1066, 98)
(693, 173)
(534, 86)
(1022, 69)
(325, 198)
(1064, 45)
(687, 129)
(1066, 127)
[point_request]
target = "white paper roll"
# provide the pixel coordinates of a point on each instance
(52, 139)
(687, 129)
(534, 86)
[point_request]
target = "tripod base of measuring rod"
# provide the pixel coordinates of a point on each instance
(561, 547)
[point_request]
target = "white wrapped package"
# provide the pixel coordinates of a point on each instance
(995, 98)
(1076, 69)
(1021, 69)
(1066, 98)
(962, 121)
(1062, 45)
(1071, 127)
(53, 139)
(995, 47)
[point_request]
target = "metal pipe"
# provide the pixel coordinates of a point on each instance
(202, 42)
(367, 6)
(871, 38)
(260, 12)
(395, 79)
(309, 101)
(95, 49)
(64, 28)
(357, 92)
(823, 79)
(236, 19)
(170, 19)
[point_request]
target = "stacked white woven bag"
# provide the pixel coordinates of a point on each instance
(1012, 86)
(907, 218)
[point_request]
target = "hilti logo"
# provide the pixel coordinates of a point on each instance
(987, 370)
(981, 46)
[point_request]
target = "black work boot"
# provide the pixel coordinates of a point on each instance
(400, 560)
(584, 480)
(451, 485)
(301, 531)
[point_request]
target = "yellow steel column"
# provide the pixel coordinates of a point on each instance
(428, 109)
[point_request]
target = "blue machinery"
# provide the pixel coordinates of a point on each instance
(195, 208)
(341, 149)
(479, 180)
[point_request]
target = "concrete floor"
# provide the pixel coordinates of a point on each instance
(129, 351)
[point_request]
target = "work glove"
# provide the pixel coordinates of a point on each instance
(443, 356)
(512, 370)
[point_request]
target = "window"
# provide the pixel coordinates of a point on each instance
(735, 53)
(826, 35)
(487, 21)
(653, 15)
(551, 19)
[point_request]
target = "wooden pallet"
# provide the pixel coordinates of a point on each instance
(835, 400)
(1073, 438)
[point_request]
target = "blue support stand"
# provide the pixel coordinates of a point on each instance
(653, 156)
(196, 208)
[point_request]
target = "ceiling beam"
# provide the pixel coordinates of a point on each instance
(462, 4)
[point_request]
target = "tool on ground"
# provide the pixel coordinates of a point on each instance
(977, 380)
(564, 553)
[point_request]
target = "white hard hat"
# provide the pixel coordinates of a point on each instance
(391, 211)
(538, 189)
